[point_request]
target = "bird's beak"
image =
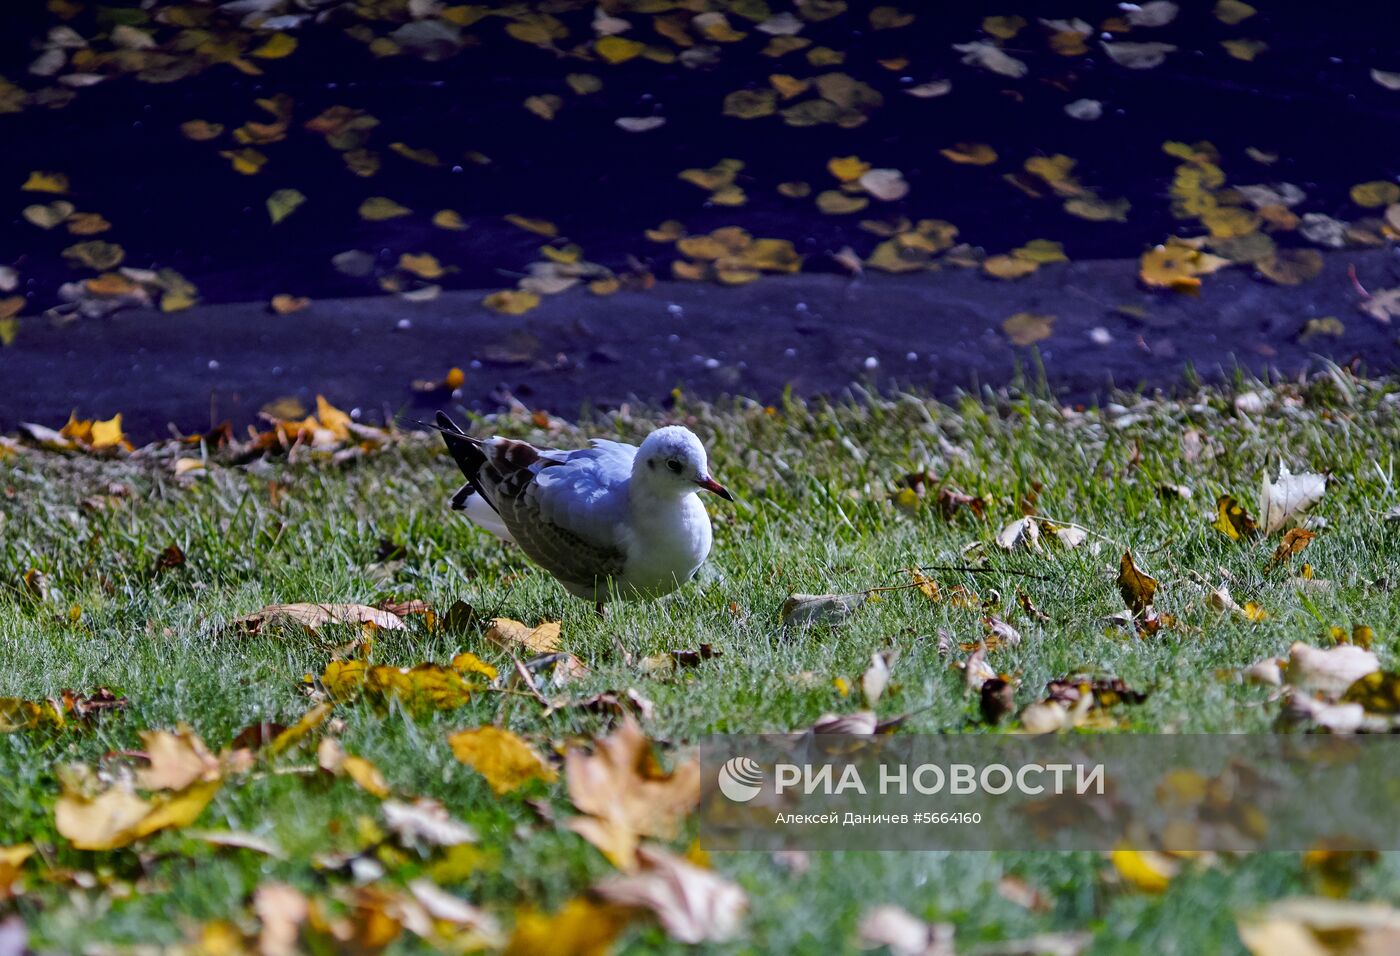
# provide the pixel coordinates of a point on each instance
(709, 484)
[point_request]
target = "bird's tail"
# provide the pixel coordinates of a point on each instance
(465, 451)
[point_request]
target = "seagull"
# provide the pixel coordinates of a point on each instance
(610, 520)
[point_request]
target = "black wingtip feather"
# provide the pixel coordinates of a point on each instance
(464, 451)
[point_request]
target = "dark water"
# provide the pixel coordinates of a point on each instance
(177, 203)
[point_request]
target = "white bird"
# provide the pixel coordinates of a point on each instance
(611, 520)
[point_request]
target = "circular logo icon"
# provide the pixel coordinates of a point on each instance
(740, 779)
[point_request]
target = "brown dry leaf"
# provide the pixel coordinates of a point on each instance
(87, 224)
(626, 795)
(788, 86)
(201, 130)
(506, 761)
(511, 302)
(511, 635)
(750, 104)
(314, 616)
(693, 904)
(1026, 328)
(380, 208)
(1294, 541)
(973, 154)
(1138, 589)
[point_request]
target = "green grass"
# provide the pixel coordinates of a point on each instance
(814, 515)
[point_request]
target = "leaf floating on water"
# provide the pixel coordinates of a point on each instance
(991, 57)
(1246, 50)
(284, 304)
(95, 254)
(380, 208)
(46, 217)
(1027, 328)
(276, 47)
(973, 154)
(1231, 12)
(511, 301)
(1138, 56)
(283, 203)
(46, 182)
(449, 219)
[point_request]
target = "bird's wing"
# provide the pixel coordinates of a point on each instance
(563, 508)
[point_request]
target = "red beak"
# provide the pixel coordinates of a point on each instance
(709, 484)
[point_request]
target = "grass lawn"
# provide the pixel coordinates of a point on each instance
(817, 512)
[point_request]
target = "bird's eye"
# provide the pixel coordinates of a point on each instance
(674, 465)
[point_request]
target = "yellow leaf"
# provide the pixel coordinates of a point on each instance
(1291, 266)
(583, 83)
(1245, 50)
(118, 818)
(511, 301)
(1004, 28)
(466, 662)
(973, 154)
(1374, 194)
(540, 227)
(423, 265)
(782, 46)
(506, 761)
(46, 182)
(283, 203)
(449, 219)
(717, 176)
(107, 434)
(1229, 222)
(247, 161)
(1008, 267)
(1169, 267)
(825, 56)
(606, 286)
(1025, 328)
(294, 734)
(1041, 251)
(1098, 210)
(544, 106)
(835, 203)
(617, 49)
(362, 162)
(425, 157)
(668, 231)
(847, 168)
(581, 928)
(750, 104)
(1144, 870)
(788, 86)
(276, 47)
(1232, 12)
(1232, 520)
(379, 208)
(795, 190)
(367, 775)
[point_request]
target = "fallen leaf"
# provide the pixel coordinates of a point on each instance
(315, 616)
(511, 302)
(201, 130)
(693, 904)
(511, 635)
(973, 154)
(1231, 12)
(1145, 870)
(246, 161)
(1291, 266)
(1154, 13)
(1246, 50)
(1295, 540)
(1287, 498)
(580, 928)
(804, 609)
(283, 203)
(1022, 533)
(46, 182)
(991, 57)
(1138, 589)
(904, 934)
(284, 304)
(1009, 267)
(423, 265)
(118, 818)
(1387, 79)
(366, 775)
(1138, 56)
(626, 795)
(46, 217)
(95, 254)
(506, 761)
(425, 822)
(276, 47)
(1320, 927)
(1027, 328)
(380, 208)
(1328, 672)
(1232, 520)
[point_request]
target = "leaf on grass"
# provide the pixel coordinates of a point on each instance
(118, 817)
(315, 616)
(425, 822)
(581, 927)
(1138, 589)
(1295, 540)
(626, 795)
(803, 609)
(1232, 520)
(1288, 498)
(366, 775)
(512, 636)
(1145, 870)
(692, 904)
(903, 933)
(1328, 672)
(1320, 927)
(1023, 533)
(506, 761)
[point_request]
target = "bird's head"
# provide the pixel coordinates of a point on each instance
(672, 461)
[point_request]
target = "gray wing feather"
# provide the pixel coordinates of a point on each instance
(565, 509)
